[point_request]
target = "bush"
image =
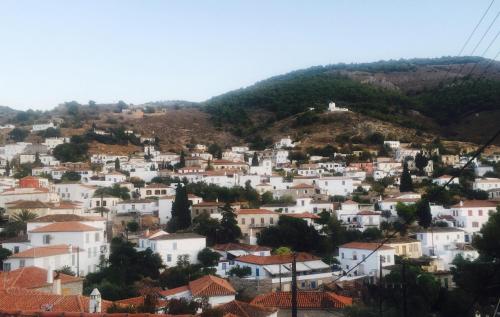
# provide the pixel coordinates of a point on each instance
(240, 271)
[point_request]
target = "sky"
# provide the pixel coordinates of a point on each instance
(147, 50)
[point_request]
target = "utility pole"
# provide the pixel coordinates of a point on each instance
(381, 260)
(405, 308)
(294, 285)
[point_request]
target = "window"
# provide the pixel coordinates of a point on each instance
(97, 237)
(95, 252)
(252, 221)
(480, 212)
(22, 263)
(46, 239)
(224, 266)
(261, 221)
(470, 213)
(354, 256)
(73, 259)
(169, 257)
(342, 255)
(257, 272)
(242, 221)
(475, 224)
(174, 246)
(89, 253)
(6, 267)
(271, 220)
(87, 237)
(16, 249)
(98, 203)
(313, 284)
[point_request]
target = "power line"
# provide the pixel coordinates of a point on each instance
(484, 52)
(476, 154)
(471, 35)
(479, 42)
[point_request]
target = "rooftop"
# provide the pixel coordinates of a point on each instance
(31, 277)
(210, 285)
(255, 212)
(40, 252)
(365, 246)
(67, 226)
(305, 300)
(276, 259)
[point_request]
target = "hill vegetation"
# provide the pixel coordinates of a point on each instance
(452, 91)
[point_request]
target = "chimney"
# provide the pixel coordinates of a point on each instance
(461, 203)
(50, 275)
(56, 285)
(95, 301)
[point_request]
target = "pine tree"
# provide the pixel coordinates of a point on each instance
(182, 160)
(181, 215)
(255, 159)
(421, 161)
(405, 183)
(230, 231)
(117, 164)
(38, 162)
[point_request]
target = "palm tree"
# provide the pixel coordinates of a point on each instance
(18, 222)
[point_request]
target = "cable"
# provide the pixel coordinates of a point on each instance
(484, 53)
(471, 34)
(479, 42)
(476, 154)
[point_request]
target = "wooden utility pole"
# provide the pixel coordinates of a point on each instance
(294, 285)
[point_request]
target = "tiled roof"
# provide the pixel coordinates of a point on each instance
(305, 300)
(475, 204)
(302, 185)
(240, 246)
(255, 212)
(16, 299)
(210, 285)
(39, 252)
(26, 204)
(350, 202)
(275, 259)
(23, 238)
(303, 215)
(175, 236)
(242, 309)
(68, 226)
(31, 277)
(365, 246)
(173, 291)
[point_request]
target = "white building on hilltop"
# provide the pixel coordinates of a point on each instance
(333, 108)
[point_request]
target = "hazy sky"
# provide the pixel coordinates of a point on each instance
(146, 50)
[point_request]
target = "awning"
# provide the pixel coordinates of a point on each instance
(274, 269)
(316, 265)
(300, 267)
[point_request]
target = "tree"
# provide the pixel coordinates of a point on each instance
(421, 161)
(282, 251)
(240, 271)
(215, 150)
(4, 254)
(182, 306)
(75, 151)
(18, 134)
(207, 226)
(7, 168)
(132, 226)
(71, 176)
(181, 214)
(182, 160)
(208, 258)
(22, 218)
(255, 159)
(407, 214)
(115, 191)
(66, 270)
(423, 213)
(117, 164)
(405, 183)
(229, 231)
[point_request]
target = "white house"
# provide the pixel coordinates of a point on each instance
(76, 192)
(444, 179)
(230, 251)
(390, 203)
(276, 269)
(335, 185)
(333, 108)
(471, 215)
(141, 206)
(392, 144)
(486, 183)
(350, 254)
(284, 143)
(46, 257)
(42, 126)
(51, 143)
(171, 246)
(445, 243)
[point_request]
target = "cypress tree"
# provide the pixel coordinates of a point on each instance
(230, 231)
(182, 160)
(181, 215)
(117, 164)
(405, 183)
(255, 159)
(7, 168)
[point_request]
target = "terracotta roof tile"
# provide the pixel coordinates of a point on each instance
(31, 277)
(255, 212)
(242, 309)
(364, 246)
(275, 259)
(39, 252)
(210, 285)
(475, 204)
(305, 300)
(240, 246)
(303, 215)
(67, 226)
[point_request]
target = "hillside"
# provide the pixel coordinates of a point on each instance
(442, 96)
